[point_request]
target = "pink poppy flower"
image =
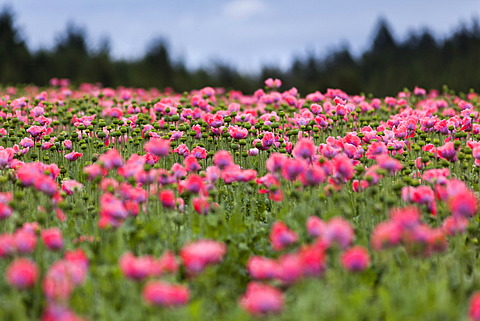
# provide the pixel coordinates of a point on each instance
(7, 245)
(191, 164)
(262, 268)
(290, 268)
(464, 204)
(339, 231)
(167, 263)
(355, 259)
(167, 197)
(453, 225)
(197, 255)
(201, 205)
(222, 159)
(25, 241)
(158, 147)
(36, 130)
(281, 236)
(52, 238)
(316, 226)
(5, 211)
(70, 186)
(165, 294)
(199, 152)
(73, 156)
(392, 165)
(474, 308)
(237, 132)
(22, 273)
(136, 268)
(448, 152)
(261, 299)
(304, 148)
(111, 159)
(273, 83)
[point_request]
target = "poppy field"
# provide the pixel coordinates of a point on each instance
(138, 204)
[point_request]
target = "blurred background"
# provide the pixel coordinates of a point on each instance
(375, 46)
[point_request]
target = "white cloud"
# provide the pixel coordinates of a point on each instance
(243, 9)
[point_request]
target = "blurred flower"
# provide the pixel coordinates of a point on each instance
(304, 148)
(474, 309)
(158, 147)
(355, 259)
(262, 299)
(281, 236)
(262, 268)
(197, 255)
(339, 231)
(73, 156)
(52, 238)
(165, 294)
(22, 273)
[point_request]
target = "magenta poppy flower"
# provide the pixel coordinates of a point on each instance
(6, 156)
(165, 294)
(36, 130)
(70, 186)
(316, 226)
(111, 159)
(57, 312)
(25, 241)
(355, 259)
(386, 234)
(22, 273)
(136, 268)
(52, 238)
(262, 268)
(199, 152)
(454, 225)
(464, 204)
(474, 309)
(260, 299)
(237, 132)
(290, 268)
(158, 147)
(68, 144)
(304, 148)
(267, 140)
(193, 184)
(58, 283)
(46, 184)
(5, 211)
(27, 142)
(340, 232)
(273, 83)
(281, 236)
(7, 245)
(196, 256)
(201, 205)
(388, 163)
(167, 197)
(292, 168)
(73, 156)
(448, 152)
(275, 162)
(191, 164)
(313, 258)
(167, 263)
(222, 159)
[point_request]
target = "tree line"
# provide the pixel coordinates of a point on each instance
(386, 67)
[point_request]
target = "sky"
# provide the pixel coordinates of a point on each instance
(245, 34)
